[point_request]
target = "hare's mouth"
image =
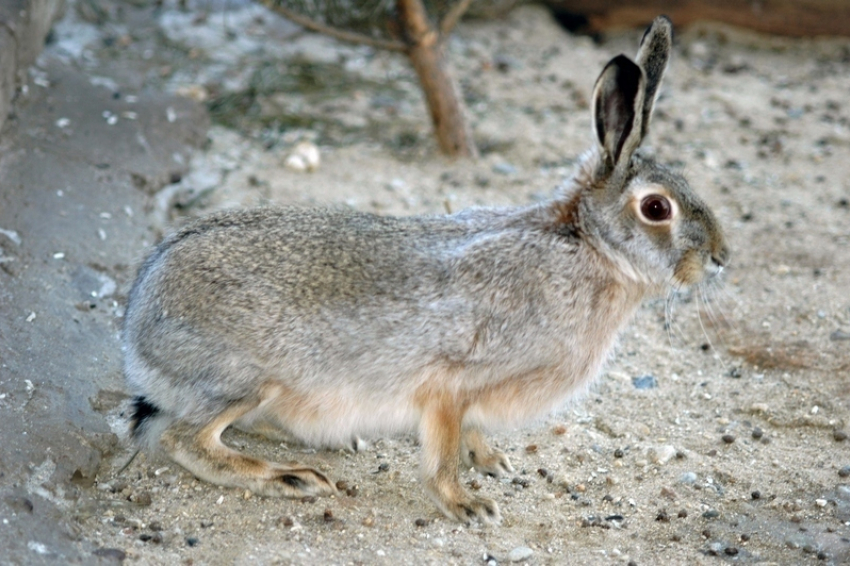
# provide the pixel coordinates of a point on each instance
(694, 268)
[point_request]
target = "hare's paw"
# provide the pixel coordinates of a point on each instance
(492, 463)
(478, 454)
(467, 508)
(295, 482)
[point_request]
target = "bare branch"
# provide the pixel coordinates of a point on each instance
(453, 17)
(351, 37)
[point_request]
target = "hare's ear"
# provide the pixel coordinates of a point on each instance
(652, 57)
(618, 109)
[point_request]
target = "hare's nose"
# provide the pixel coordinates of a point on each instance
(720, 257)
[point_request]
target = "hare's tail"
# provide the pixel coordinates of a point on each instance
(146, 421)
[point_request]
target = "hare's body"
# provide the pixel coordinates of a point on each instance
(328, 325)
(362, 318)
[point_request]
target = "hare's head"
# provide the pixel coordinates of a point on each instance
(644, 215)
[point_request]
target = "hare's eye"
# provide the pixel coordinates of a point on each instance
(656, 208)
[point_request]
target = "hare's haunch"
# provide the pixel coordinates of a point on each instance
(329, 325)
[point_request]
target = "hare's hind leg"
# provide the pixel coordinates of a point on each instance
(440, 431)
(477, 453)
(199, 449)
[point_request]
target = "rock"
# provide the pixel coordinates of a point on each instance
(662, 454)
(504, 168)
(688, 478)
(115, 554)
(520, 553)
(304, 157)
(645, 382)
(839, 335)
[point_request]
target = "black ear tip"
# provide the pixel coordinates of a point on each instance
(623, 65)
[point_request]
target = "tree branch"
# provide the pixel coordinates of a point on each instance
(453, 17)
(351, 37)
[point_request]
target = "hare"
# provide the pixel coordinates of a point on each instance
(332, 324)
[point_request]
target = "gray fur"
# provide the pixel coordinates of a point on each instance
(333, 324)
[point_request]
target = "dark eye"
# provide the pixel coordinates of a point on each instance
(655, 208)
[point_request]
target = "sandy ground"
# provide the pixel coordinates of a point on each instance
(718, 433)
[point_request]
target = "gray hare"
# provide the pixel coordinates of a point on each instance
(332, 324)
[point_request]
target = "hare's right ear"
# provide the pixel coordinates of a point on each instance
(652, 57)
(618, 102)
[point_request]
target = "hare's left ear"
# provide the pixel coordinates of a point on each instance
(618, 110)
(652, 57)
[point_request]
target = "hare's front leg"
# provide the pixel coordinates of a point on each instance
(440, 432)
(477, 453)
(199, 449)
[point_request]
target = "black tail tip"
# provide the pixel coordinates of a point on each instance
(142, 411)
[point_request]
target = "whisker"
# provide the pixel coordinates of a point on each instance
(668, 314)
(705, 333)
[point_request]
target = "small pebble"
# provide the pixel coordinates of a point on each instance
(662, 517)
(142, 498)
(711, 514)
(645, 382)
(731, 551)
(115, 554)
(384, 467)
(662, 454)
(735, 372)
(757, 433)
(756, 495)
(191, 541)
(342, 485)
(558, 430)
(668, 493)
(688, 478)
(844, 472)
(421, 522)
(839, 435)
(839, 335)
(328, 515)
(531, 448)
(619, 453)
(285, 521)
(504, 168)
(520, 553)
(543, 472)
(728, 438)
(683, 514)
(475, 485)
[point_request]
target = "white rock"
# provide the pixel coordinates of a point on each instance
(520, 553)
(295, 163)
(304, 157)
(662, 454)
